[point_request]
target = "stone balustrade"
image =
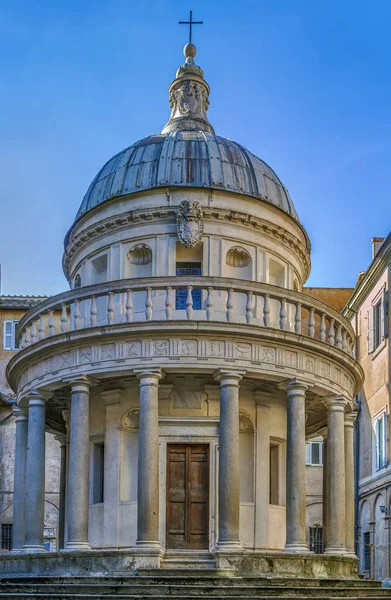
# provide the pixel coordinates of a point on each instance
(186, 298)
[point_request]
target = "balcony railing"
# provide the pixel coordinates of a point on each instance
(205, 299)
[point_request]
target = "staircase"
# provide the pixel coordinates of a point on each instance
(182, 585)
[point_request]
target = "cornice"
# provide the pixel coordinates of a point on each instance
(168, 214)
(372, 274)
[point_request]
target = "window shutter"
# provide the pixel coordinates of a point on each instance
(7, 335)
(14, 342)
(384, 314)
(377, 442)
(308, 453)
(384, 440)
(370, 330)
(315, 458)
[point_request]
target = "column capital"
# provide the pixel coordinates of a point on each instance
(19, 414)
(112, 397)
(337, 403)
(230, 377)
(294, 387)
(150, 376)
(79, 383)
(36, 398)
(350, 418)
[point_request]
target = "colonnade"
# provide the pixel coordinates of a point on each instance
(30, 469)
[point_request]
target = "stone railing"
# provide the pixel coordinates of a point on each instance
(186, 299)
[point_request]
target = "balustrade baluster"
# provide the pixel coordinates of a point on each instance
(311, 323)
(209, 304)
(129, 306)
(230, 305)
(331, 333)
(345, 344)
(52, 329)
(266, 311)
(110, 308)
(298, 318)
(189, 303)
(76, 315)
(64, 318)
(41, 327)
(148, 305)
(338, 337)
(322, 328)
(283, 319)
(93, 312)
(250, 307)
(33, 332)
(169, 305)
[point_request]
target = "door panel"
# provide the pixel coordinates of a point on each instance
(188, 496)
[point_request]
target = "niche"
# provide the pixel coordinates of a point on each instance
(238, 261)
(99, 269)
(77, 282)
(139, 261)
(276, 273)
(246, 457)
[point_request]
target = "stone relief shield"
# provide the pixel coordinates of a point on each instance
(189, 223)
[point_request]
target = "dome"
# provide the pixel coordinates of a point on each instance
(187, 158)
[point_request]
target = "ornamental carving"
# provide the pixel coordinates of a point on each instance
(189, 99)
(189, 223)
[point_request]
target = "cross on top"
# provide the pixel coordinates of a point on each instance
(191, 23)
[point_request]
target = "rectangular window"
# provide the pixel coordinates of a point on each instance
(6, 537)
(378, 321)
(188, 270)
(9, 335)
(98, 479)
(314, 454)
(380, 427)
(273, 478)
(367, 551)
(316, 539)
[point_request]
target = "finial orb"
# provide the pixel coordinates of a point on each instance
(190, 50)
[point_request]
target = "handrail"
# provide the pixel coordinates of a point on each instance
(220, 299)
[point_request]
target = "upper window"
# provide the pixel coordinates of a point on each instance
(377, 321)
(9, 335)
(314, 454)
(6, 537)
(100, 268)
(380, 427)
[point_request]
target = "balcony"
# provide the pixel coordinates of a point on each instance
(174, 299)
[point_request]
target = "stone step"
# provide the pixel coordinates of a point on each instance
(179, 589)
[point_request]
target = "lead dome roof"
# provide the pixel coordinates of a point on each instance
(187, 153)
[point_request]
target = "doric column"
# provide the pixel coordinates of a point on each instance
(62, 439)
(35, 474)
(350, 419)
(19, 514)
(78, 471)
(112, 399)
(148, 461)
(295, 468)
(262, 473)
(323, 433)
(336, 475)
(229, 480)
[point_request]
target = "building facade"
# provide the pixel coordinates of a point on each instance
(185, 368)
(368, 310)
(12, 309)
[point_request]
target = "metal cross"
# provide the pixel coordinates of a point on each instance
(191, 23)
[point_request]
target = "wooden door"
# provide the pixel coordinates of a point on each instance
(187, 516)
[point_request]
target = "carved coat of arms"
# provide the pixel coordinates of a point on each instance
(189, 223)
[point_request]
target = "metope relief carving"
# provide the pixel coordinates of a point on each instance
(189, 223)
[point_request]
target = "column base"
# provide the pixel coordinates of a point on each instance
(33, 549)
(337, 551)
(229, 546)
(71, 546)
(296, 549)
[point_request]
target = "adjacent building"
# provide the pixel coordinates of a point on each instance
(368, 311)
(12, 309)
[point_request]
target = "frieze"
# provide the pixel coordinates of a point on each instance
(268, 358)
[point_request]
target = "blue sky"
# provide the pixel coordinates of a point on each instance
(304, 84)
